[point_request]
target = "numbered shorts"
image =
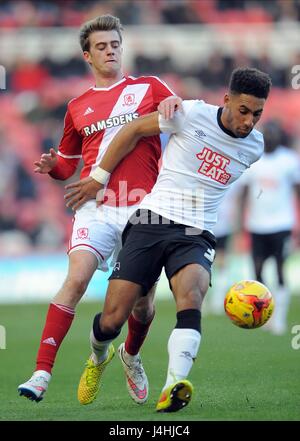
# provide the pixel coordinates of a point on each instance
(148, 247)
(99, 231)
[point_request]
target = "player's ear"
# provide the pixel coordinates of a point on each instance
(87, 56)
(226, 98)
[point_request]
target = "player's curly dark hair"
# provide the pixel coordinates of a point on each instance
(250, 81)
(101, 23)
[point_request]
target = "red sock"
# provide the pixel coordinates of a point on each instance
(137, 332)
(58, 322)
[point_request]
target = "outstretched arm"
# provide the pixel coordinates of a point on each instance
(56, 166)
(169, 106)
(122, 144)
(125, 141)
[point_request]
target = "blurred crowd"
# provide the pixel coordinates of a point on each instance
(35, 13)
(32, 211)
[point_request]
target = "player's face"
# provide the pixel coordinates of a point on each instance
(241, 113)
(105, 53)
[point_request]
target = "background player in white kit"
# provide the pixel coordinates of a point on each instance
(224, 231)
(91, 122)
(269, 195)
(173, 227)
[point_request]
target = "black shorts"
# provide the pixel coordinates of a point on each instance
(148, 247)
(270, 245)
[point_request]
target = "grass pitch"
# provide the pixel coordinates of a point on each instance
(238, 375)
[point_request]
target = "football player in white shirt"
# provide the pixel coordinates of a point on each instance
(270, 187)
(209, 148)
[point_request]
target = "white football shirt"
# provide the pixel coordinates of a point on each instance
(270, 201)
(200, 162)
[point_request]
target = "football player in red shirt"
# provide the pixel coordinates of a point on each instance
(91, 122)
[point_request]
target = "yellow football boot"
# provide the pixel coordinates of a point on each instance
(90, 380)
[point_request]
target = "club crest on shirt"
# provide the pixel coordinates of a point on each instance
(129, 99)
(214, 165)
(82, 233)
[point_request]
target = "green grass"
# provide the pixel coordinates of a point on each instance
(238, 375)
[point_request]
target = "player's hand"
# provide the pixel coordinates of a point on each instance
(46, 163)
(82, 191)
(168, 106)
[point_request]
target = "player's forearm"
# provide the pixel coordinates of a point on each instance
(64, 168)
(125, 141)
(120, 148)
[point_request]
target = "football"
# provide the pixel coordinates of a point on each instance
(249, 304)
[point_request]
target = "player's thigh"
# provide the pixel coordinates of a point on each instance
(82, 265)
(92, 232)
(188, 266)
(120, 298)
(141, 259)
(189, 286)
(117, 218)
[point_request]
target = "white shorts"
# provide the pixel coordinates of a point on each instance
(99, 230)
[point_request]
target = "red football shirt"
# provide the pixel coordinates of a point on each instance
(91, 122)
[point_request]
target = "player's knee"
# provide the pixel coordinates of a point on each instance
(143, 310)
(193, 297)
(112, 323)
(109, 328)
(103, 332)
(76, 285)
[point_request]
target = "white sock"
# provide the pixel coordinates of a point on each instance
(183, 346)
(282, 301)
(99, 348)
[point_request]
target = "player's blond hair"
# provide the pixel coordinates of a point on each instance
(101, 23)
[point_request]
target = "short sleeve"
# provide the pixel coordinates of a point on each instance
(160, 90)
(176, 124)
